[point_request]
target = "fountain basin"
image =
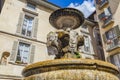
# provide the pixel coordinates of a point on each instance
(66, 17)
(71, 69)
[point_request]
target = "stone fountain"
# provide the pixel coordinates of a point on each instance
(64, 44)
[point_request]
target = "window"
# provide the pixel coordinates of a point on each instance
(86, 44)
(106, 16)
(31, 6)
(115, 59)
(27, 26)
(111, 38)
(23, 53)
(1, 4)
(110, 34)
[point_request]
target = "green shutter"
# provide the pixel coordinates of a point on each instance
(104, 38)
(32, 52)
(20, 23)
(14, 51)
(35, 27)
(117, 30)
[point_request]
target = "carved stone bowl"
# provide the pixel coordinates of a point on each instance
(66, 18)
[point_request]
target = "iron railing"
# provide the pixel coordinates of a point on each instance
(101, 3)
(115, 43)
(108, 20)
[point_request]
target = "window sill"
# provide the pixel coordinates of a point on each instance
(22, 36)
(28, 38)
(18, 64)
(30, 11)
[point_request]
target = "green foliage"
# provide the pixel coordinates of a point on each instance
(77, 55)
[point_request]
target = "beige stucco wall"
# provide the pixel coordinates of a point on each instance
(6, 45)
(7, 41)
(10, 15)
(8, 23)
(11, 71)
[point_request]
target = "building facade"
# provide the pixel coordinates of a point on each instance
(109, 22)
(87, 50)
(24, 25)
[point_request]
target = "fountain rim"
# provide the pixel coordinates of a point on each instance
(88, 63)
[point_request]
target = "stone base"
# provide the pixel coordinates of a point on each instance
(71, 69)
(74, 75)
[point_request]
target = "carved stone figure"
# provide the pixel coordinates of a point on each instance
(4, 57)
(64, 44)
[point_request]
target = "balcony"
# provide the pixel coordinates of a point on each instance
(107, 21)
(101, 3)
(113, 44)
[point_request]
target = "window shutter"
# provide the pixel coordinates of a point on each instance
(14, 51)
(35, 27)
(117, 30)
(32, 52)
(20, 23)
(104, 38)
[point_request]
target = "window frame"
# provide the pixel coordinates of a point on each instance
(33, 21)
(21, 20)
(14, 52)
(24, 42)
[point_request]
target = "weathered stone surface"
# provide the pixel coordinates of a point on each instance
(71, 69)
